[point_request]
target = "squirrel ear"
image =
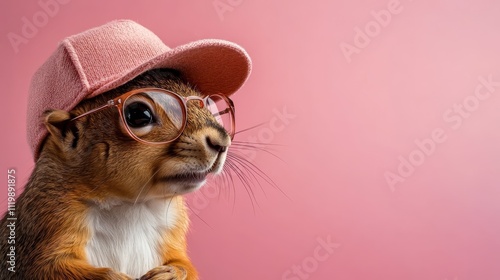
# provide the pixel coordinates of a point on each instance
(56, 123)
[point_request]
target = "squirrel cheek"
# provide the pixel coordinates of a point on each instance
(101, 151)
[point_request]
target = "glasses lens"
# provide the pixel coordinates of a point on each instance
(222, 112)
(154, 116)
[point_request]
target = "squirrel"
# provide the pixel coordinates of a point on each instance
(101, 203)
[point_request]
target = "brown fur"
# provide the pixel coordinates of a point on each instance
(89, 161)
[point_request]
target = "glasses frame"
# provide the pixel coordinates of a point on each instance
(120, 100)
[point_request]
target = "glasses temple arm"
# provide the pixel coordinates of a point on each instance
(225, 111)
(109, 104)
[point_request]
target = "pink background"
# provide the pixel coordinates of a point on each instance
(350, 119)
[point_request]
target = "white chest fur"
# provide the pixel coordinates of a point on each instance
(126, 237)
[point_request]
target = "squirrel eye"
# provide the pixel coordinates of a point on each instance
(138, 114)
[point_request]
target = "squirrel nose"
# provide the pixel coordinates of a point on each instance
(216, 144)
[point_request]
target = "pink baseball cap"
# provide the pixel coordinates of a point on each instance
(100, 59)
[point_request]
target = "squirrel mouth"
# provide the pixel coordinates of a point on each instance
(187, 178)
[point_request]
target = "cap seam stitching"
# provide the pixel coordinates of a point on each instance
(76, 62)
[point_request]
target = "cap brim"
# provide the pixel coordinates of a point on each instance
(212, 66)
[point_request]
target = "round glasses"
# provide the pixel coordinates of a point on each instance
(158, 116)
